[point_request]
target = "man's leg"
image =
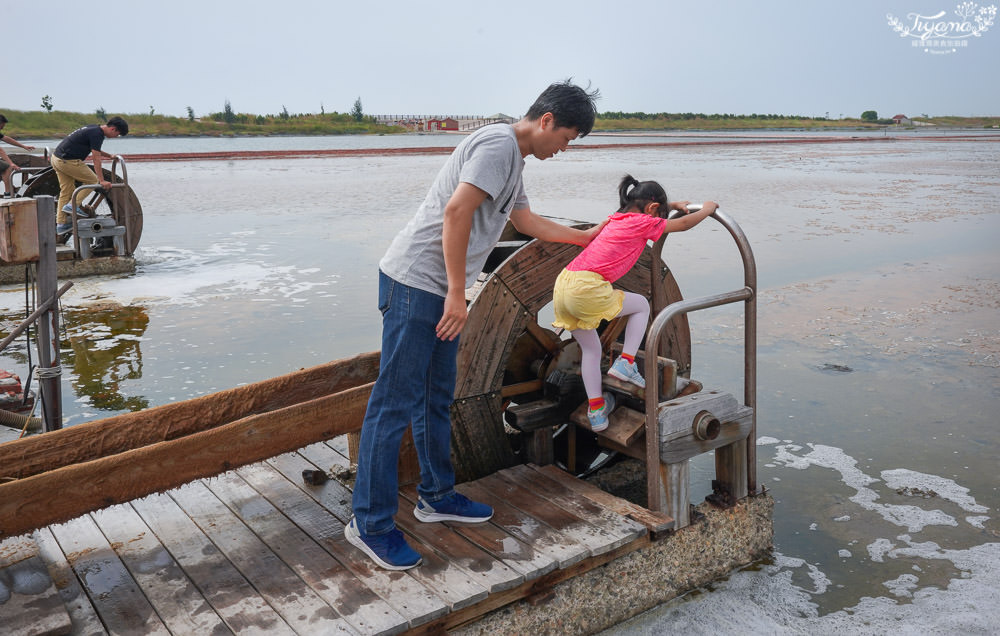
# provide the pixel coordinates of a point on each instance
(408, 340)
(69, 173)
(432, 437)
(432, 426)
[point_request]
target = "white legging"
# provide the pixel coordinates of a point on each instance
(637, 309)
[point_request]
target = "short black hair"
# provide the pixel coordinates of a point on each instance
(119, 124)
(3, 120)
(572, 106)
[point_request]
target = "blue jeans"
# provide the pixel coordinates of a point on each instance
(415, 385)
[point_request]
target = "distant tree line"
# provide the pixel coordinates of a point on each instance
(687, 116)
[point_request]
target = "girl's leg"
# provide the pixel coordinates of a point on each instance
(637, 309)
(590, 360)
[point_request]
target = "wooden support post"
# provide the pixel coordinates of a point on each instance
(731, 468)
(537, 447)
(49, 371)
(675, 492)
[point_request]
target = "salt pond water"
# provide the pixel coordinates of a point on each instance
(879, 344)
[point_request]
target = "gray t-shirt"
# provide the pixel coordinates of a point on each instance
(488, 159)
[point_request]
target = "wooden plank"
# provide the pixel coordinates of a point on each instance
(228, 592)
(39, 500)
(452, 584)
(563, 521)
(177, 601)
(624, 530)
(498, 543)
(461, 618)
(328, 578)
(656, 522)
(116, 596)
(29, 600)
(562, 549)
(325, 455)
(100, 438)
(81, 611)
(406, 595)
(625, 426)
(297, 603)
(483, 568)
(681, 447)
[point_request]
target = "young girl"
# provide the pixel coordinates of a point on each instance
(583, 295)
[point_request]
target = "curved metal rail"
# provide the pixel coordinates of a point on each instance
(747, 294)
(123, 184)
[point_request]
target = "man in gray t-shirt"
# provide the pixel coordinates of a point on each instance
(422, 281)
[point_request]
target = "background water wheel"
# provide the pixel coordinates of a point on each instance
(121, 204)
(505, 354)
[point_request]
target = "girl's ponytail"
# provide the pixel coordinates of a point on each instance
(641, 194)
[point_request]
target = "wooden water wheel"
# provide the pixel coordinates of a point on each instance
(505, 355)
(121, 204)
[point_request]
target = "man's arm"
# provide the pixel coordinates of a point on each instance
(15, 142)
(96, 154)
(527, 222)
(458, 214)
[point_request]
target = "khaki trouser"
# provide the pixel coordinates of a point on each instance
(71, 172)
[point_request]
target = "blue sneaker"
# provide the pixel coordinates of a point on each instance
(599, 417)
(64, 228)
(389, 550)
(454, 507)
(627, 372)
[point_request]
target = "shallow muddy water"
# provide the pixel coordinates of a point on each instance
(878, 356)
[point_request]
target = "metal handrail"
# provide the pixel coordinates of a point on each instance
(117, 159)
(748, 294)
(29, 170)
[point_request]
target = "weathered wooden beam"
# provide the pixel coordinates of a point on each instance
(100, 438)
(68, 492)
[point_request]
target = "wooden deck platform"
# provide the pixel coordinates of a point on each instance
(257, 549)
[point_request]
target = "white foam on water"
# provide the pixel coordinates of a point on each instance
(901, 478)
(913, 518)
(179, 276)
(770, 599)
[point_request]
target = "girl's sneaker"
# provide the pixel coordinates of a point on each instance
(627, 371)
(599, 417)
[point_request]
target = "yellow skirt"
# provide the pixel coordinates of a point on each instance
(583, 299)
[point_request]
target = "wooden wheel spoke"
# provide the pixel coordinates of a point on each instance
(521, 388)
(542, 337)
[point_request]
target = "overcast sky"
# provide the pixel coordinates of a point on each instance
(796, 57)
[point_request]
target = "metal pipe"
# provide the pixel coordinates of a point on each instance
(747, 294)
(34, 316)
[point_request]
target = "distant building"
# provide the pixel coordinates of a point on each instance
(902, 120)
(442, 124)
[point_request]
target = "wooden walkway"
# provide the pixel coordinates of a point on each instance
(258, 550)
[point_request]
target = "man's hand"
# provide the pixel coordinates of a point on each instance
(592, 233)
(455, 315)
